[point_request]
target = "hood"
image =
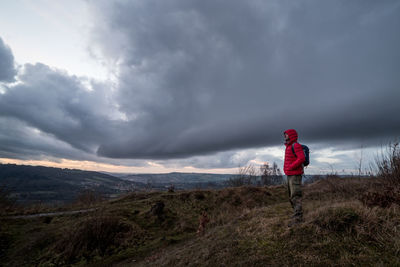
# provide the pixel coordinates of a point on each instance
(292, 136)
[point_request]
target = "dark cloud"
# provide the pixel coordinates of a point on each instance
(21, 141)
(49, 114)
(197, 81)
(7, 69)
(202, 76)
(60, 105)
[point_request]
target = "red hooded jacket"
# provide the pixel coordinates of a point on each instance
(293, 164)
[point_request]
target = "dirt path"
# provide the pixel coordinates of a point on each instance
(51, 214)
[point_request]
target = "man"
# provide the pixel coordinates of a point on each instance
(293, 168)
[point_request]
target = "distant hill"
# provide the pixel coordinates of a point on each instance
(47, 184)
(180, 180)
(57, 185)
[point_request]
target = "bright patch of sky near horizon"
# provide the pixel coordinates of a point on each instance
(52, 33)
(57, 35)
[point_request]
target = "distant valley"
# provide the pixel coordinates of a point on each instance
(33, 184)
(179, 180)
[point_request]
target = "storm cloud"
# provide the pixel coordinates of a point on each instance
(60, 105)
(7, 69)
(204, 76)
(196, 81)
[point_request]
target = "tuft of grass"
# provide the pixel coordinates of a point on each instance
(339, 219)
(335, 188)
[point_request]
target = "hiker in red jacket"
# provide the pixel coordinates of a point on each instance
(293, 168)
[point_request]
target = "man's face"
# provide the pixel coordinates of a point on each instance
(286, 137)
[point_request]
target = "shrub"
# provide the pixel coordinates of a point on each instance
(340, 219)
(382, 198)
(388, 172)
(247, 176)
(95, 235)
(388, 165)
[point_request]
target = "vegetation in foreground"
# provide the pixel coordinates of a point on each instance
(348, 221)
(248, 225)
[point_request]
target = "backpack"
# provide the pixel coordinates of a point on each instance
(306, 151)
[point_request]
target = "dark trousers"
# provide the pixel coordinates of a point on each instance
(295, 195)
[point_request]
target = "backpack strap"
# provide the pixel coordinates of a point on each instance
(293, 150)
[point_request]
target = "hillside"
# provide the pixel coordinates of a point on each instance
(343, 225)
(180, 180)
(54, 185)
(33, 184)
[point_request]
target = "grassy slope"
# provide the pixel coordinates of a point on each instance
(46, 184)
(247, 227)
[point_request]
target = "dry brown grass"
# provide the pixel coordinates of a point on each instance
(377, 226)
(384, 197)
(338, 188)
(96, 234)
(338, 230)
(370, 191)
(248, 227)
(235, 202)
(342, 233)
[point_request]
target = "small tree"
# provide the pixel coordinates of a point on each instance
(149, 184)
(271, 175)
(247, 176)
(171, 189)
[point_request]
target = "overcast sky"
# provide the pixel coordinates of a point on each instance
(205, 86)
